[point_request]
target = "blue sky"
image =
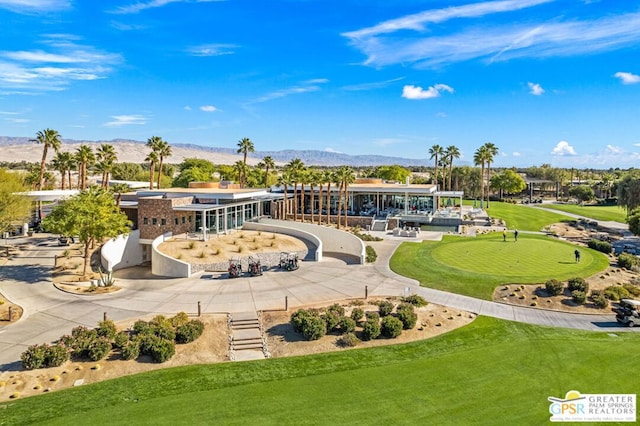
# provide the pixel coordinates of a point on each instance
(547, 81)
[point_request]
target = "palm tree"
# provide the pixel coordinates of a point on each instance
(492, 151)
(152, 158)
(106, 156)
(451, 152)
(85, 157)
(240, 170)
(49, 138)
(161, 150)
(63, 162)
(328, 177)
(268, 164)
(245, 146)
(313, 178)
(480, 159)
(284, 180)
(436, 152)
(295, 168)
(164, 150)
(345, 173)
(119, 189)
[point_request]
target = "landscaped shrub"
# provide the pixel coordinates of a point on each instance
(131, 350)
(553, 287)
(162, 350)
(99, 349)
(599, 300)
(578, 284)
(370, 329)
(370, 254)
(162, 327)
(357, 314)
(627, 261)
(314, 327)
(33, 357)
(107, 328)
(347, 325)
(181, 318)
(348, 340)
(416, 300)
(601, 246)
(579, 296)
(187, 333)
(391, 327)
(121, 339)
(615, 293)
(146, 342)
(385, 307)
(81, 340)
(141, 327)
(634, 290)
(337, 308)
(372, 315)
(298, 319)
(332, 319)
(407, 314)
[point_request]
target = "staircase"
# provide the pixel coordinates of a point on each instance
(379, 225)
(246, 341)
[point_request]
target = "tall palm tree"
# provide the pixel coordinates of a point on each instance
(451, 152)
(164, 150)
(313, 179)
(240, 170)
(63, 163)
(480, 159)
(346, 177)
(436, 152)
(119, 189)
(245, 146)
(492, 151)
(85, 158)
(106, 157)
(49, 138)
(152, 158)
(295, 168)
(268, 164)
(284, 180)
(328, 177)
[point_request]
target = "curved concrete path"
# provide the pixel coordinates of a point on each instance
(50, 313)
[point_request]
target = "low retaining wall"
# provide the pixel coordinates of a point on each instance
(167, 266)
(122, 252)
(279, 227)
(332, 240)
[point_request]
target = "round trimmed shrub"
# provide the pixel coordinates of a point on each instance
(336, 308)
(99, 349)
(141, 327)
(298, 318)
(121, 339)
(407, 315)
(416, 300)
(314, 327)
(189, 332)
(181, 318)
(347, 325)
(615, 293)
(56, 355)
(332, 319)
(391, 327)
(553, 287)
(370, 329)
(162, 350)
(161, 326)
(599, 300)
(357, 314)
(579, 296)
(374, 316)
(33, 357)
(107, 328)
(131, 350)
(627, 260)
(385, 307)
(578, 284)
(348, 340)
(82, 339)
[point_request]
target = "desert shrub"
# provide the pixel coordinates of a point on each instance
(385, 307)
(332, 319)
(634, 290)
(181, 318)
(187, 333)
(391, 327)
(374, 316)
(579, 296)
(348, 340)
(81, 340)
(161, 326)
(357, 314)
(578, 284)
(107, 328)
(141, 327)
(347, 325)
(370, 254)
(131, 350)
(162, 350)
(314, 327)
(120, 339)
(337, 308)
(599, 300)
(33, 357)
(601, 246)
(627, 260)
(407, 315)
(553, 287)
(99, 349)
(416, 300)
(615, 292)
(145, 342)
(298, 318)
(370, 329)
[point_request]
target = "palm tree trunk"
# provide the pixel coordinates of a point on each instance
(328, 203)
(160, 171)
(339, 204)
(320, 204)
(295, 201)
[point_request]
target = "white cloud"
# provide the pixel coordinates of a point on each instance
(416, 92)
(516, 154)
(140, 6)
(208, 108)
(388, 141)
(535, 89)
(371, 86)
(304, 87)
(28, 6)
(489, 36)
(614, 149)
(332, 150)
(126, 120)
(187, 108)
(627, 77)
(563, 148)
(215, 49)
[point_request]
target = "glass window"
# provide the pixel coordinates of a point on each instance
(175, 221)
(183, 220)
(154, 221)
(145, 220)
(163, 221)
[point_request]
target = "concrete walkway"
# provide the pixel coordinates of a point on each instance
(50, 313)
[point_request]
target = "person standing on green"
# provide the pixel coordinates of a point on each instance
(504, 234)
(515, 235)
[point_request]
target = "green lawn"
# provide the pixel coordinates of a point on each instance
(476, 266)
(518, 216)
(605, 213)
(489, 372)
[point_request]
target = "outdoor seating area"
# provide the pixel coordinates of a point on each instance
(407, 231)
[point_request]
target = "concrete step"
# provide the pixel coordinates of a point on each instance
(248, 347)
(252, 333)
(243, 316)
(247, 342)
(246, 325)
(245, 322)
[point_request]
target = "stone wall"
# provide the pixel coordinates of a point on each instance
(160, 217)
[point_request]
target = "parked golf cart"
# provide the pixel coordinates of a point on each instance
(628, 312)
(255, 268)
(288, 261)
(235, 268)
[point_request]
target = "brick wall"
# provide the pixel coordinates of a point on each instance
(155, 209)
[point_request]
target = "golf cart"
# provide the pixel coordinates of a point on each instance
(288, 261)
(255, 268)
(235, 268)
(628, 312)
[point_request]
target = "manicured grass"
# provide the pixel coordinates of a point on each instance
(521, 217)
(489, 372)
(476, 266)
(605, 213)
